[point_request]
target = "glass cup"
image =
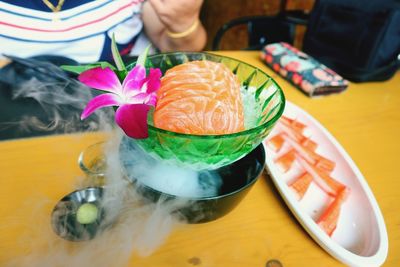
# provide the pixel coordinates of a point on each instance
(92, 161)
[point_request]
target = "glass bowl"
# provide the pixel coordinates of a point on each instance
(264, 103)
(92, 161)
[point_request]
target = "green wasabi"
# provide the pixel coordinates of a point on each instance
(87, 213)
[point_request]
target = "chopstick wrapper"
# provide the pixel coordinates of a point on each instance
(306, 73)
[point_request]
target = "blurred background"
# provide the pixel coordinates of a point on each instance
(215, 13)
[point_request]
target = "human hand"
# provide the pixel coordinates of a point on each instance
(177, 15)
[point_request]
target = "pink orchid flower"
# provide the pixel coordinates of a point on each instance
(133, 98)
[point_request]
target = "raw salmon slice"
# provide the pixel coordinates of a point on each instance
(301, 184)
(276, 142)
(329, 219)
(199, 97)
(286, 161)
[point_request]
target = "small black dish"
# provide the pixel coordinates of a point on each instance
(237, 179)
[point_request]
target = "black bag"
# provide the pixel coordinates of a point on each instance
(358, 39)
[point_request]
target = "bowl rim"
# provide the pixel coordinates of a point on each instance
(231, 135)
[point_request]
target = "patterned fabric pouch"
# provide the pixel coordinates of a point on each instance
(305, 72)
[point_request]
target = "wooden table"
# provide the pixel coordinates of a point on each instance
(365, 119)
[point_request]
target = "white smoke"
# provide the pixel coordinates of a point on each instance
(135, 224)
(167, 178)
(45, 100)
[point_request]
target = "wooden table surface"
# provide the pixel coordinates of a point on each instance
(365, 119)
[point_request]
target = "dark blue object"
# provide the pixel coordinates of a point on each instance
(358, 39)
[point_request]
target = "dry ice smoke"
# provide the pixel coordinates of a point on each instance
(62, 106)
(135, 225)
(165, 177)
(45, 100)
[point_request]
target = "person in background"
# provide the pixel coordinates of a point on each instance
(82, 29)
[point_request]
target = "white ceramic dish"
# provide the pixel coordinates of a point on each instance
(360, 238)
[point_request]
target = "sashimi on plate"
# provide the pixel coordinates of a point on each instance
(325, 190)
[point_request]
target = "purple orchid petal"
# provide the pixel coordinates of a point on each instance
(153, 80)
(134, 80)
(151, 100)
(100, 101)
(102, 79)
(138, 98)
(133, 120)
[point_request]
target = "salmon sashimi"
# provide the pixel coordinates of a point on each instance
(276, 142)
(329, 219)
(310, 156)
(301, 184)
(322, 179)
(317, 169)
(286, 161)
(309, 144)
(294, 124)
(199, 97)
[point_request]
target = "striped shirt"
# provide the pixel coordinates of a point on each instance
(82, 30)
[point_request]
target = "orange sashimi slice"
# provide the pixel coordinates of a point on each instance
(294, 124)
(295, 130)
(322, 179)
(301, 184)
(295, 133)
(310, 156)
(199, 97)
(329, 218)
(286, 161)
(309, 144)
(276, 142)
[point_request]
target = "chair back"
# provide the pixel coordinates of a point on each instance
(264, 30)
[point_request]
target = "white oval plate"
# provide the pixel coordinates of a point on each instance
(360, 238)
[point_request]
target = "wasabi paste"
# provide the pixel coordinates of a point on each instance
(87, 213)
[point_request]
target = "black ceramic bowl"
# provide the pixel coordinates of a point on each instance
(235, 180)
